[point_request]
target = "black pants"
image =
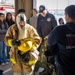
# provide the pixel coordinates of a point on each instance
(64, 71)
(1, 72)
(8, 50)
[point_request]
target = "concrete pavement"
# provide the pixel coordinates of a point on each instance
(6, 69)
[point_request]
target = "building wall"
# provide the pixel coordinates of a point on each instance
(25, 4)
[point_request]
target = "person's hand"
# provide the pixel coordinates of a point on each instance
(39, 58)
(45, 37)
(40, 39)
(16, 42)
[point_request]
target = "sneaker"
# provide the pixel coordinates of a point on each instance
(7, 63)
(2, 63)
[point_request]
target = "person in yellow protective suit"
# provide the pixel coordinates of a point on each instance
(24, 42)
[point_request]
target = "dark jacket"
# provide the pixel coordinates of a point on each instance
(45, 24)
(10, 22)
(62, 40)
(3, 29)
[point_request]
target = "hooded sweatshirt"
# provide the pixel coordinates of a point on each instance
(63, 37)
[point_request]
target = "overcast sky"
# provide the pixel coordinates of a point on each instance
(55, 4)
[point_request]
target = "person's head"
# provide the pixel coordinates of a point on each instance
(8, 16)
(61, 21)
(21, 20)
(42, 10)
(2, 17)
(34, 12)
(21, 11)
(70, 13)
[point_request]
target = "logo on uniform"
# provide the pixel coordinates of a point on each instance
(48, 19)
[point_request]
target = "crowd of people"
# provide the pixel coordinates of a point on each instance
(38, 46)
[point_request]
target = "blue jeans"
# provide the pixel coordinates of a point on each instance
(3, 52)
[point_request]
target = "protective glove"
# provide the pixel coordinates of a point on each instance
(16, 42)
(12, 60)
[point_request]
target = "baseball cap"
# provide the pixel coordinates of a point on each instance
(41, 8)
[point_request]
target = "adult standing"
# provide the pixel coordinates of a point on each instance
(10, 22)
(24, 61)
(33, 19)
(61, 43)
(3, 47)
(46, 22)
